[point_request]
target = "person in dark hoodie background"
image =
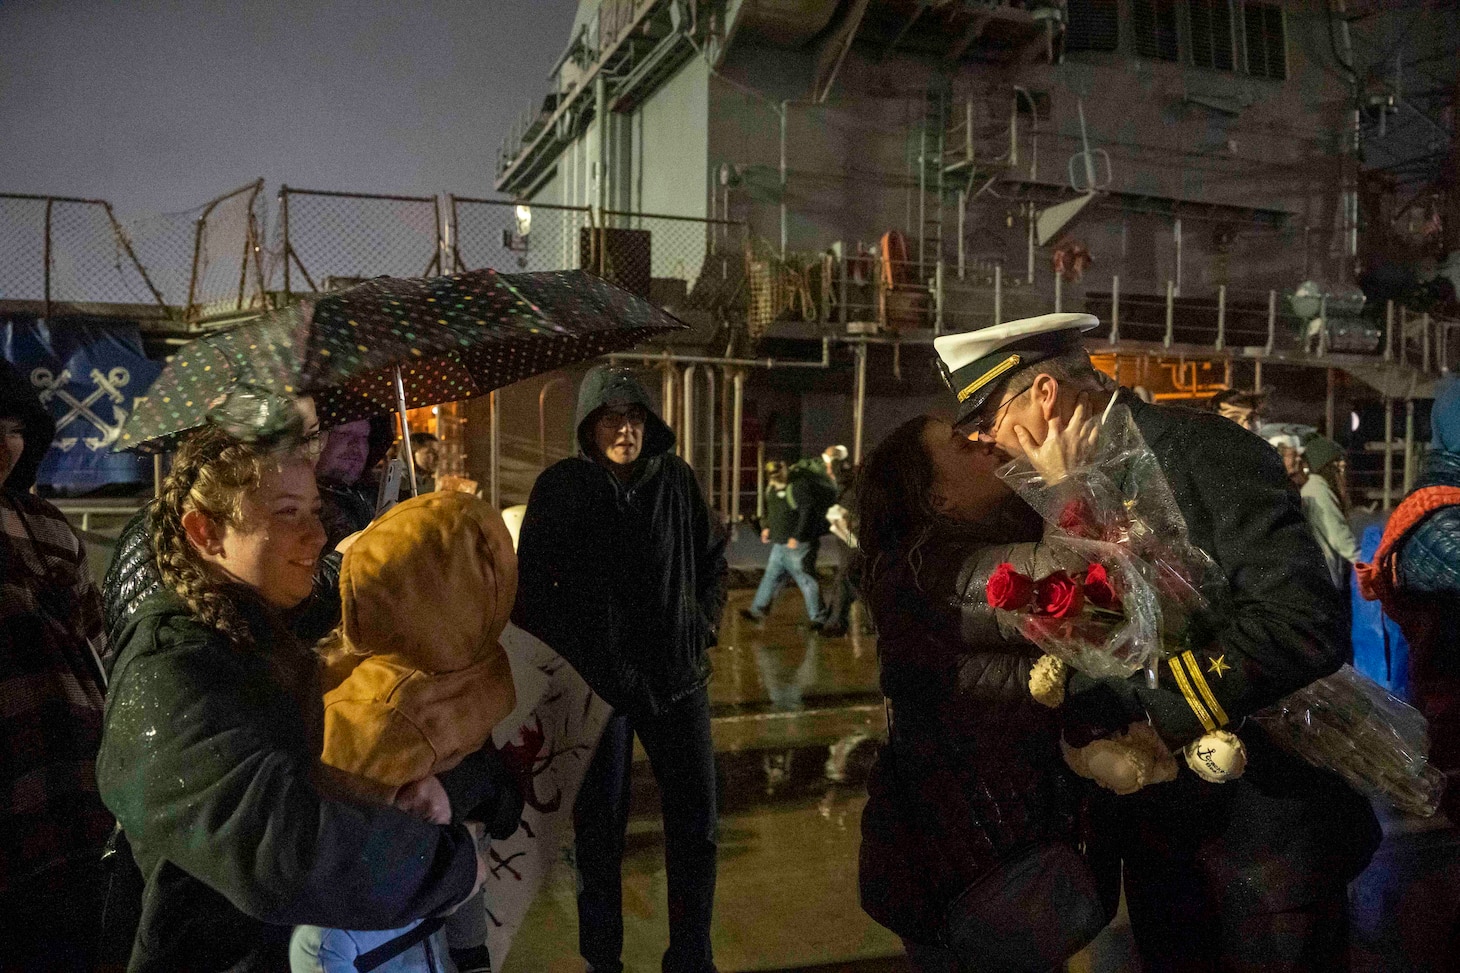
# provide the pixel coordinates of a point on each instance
(52, 822)
(622, 571)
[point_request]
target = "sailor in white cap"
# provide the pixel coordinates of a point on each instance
(1209, 868)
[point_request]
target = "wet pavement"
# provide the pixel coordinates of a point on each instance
(796, 719)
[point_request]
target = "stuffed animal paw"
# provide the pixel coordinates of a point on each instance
(1124, 763)
(1218, 757)
(1047, 681)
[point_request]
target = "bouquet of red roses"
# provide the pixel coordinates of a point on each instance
(1103, 617)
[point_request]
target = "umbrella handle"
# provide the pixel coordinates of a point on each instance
(405, 431)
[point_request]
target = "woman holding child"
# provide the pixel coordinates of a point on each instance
(214, 729)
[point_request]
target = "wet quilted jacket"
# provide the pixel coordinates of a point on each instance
(132, 576)
(973, 771)
(1430, 559)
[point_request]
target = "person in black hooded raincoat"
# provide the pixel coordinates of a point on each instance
(52, 821)
(622, 571)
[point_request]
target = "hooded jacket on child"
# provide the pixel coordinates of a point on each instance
(426, 592)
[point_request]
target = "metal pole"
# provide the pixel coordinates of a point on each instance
(1322, 326)
(666, 397)
(405, 431)
(600, 111)
(783, 180)
(1257, 375)
(962, 248)
(1389, 331)
(1170, 313)
(1408, 445)
(998, 293)
(284, 227)
(760, 480)
(1059, 290)
(197, 255)
(1221, 316)
(842, 310)
(738, 412)
(725, 442)
(1388, 454)
(157, 474)
(495, 464)
(1177, 233)
(1328, 407)
(687, 418)
(860, 404)
(1403, 336)
(938, 297)
(709, 478)
(1115, 309)
(1031, 243)
(1271, 319)
(46, 258)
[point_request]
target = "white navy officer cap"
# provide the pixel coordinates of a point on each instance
(977, 363)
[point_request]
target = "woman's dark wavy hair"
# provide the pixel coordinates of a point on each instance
(894, 512)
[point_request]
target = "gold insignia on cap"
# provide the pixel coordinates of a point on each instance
(1011, 362)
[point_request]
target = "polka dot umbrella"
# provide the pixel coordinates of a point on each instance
(396, 343)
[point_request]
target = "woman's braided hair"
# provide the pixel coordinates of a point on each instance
(211, 473)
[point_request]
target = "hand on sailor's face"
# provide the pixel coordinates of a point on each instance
(1064, 444)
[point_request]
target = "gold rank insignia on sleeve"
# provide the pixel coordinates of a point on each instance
(1186, 670)
(1218, 666)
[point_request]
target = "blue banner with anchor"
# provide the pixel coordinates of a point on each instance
(88, 373)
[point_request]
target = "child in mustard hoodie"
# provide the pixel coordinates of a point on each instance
(419, 680)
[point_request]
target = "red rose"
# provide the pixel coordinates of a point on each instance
(1099, 589)
(1058, 596)
(1078, 520)
(1008, 589)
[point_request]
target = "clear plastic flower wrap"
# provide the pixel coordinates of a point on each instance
(1099, 612)
(1116, 499)
(1347, 723)
(1116, 494)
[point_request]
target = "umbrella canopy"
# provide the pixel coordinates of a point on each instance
(448, 338)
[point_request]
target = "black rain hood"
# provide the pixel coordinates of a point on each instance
(606, 385)
(18, 400)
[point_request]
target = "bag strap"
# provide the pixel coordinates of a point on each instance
(388, 951)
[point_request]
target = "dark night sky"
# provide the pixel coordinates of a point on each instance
(159, 106)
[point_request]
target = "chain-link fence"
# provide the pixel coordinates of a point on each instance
(328, 239)
(56, 249)
(207, 261)
(512, 237)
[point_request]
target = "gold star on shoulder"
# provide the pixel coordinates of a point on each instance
(1218, 666)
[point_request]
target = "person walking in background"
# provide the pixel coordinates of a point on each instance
(622, 571)
(53, 824)
(795, 521)
(1321, 509)
(842, 516)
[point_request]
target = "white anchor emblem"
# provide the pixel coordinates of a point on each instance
(108, 385)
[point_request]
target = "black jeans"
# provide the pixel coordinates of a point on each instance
(683, 760)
